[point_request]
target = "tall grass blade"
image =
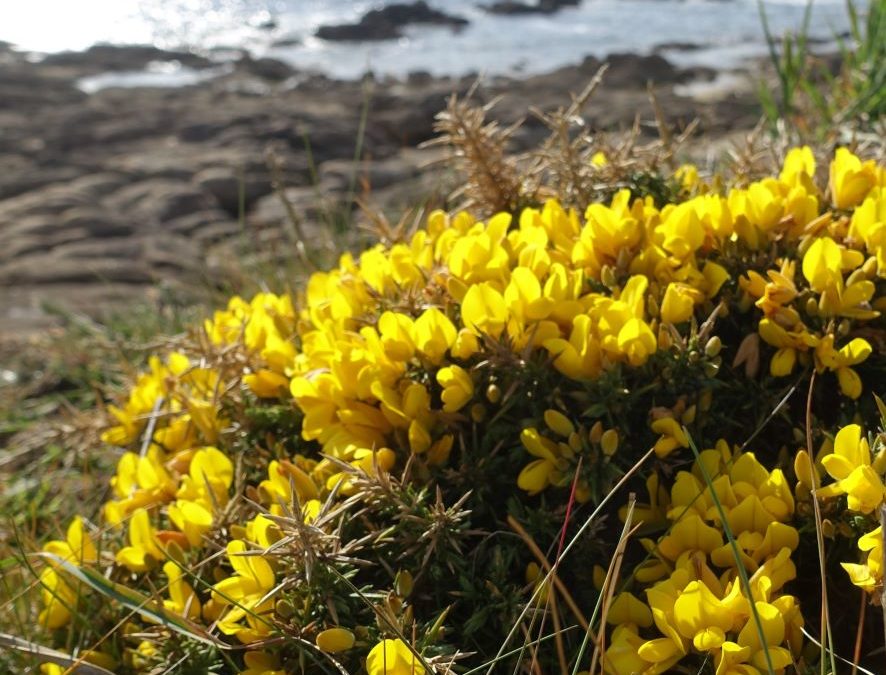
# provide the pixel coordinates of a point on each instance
(739, 563)
(74, 665)
(136, 601)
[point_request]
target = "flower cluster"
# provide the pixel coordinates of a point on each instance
(859, 476)
(695, 599)
(532, 358)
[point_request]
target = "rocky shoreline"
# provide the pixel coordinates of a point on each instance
(106, 197)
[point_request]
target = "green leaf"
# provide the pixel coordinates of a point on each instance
(137, 602)
(76, 666)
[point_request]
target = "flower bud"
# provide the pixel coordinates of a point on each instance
(333, 640)
(284, 609)
(596, 432)
(609, 442)
(403, 583)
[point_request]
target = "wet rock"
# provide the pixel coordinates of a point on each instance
(285, 42)
(269, 69)
(512, 7)
(677, 47)
(103, 58)
(387, 23)
(633, 70)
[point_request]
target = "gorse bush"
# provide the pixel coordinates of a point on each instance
(426, 460)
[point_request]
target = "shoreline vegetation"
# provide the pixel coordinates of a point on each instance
(576, 373)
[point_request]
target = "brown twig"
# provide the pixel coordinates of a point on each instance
(543, 561)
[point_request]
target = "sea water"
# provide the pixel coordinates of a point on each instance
(727, 31)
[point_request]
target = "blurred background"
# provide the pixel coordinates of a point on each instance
(155, 152)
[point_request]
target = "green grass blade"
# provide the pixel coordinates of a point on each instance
(742, 572)
(74, 665)
(136, 601)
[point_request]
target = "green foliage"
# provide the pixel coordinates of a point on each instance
(814, 102)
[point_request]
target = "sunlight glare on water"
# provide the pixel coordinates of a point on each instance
(729, 30)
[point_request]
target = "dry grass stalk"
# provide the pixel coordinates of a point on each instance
(493, 181)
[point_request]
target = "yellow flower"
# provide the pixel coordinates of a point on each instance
(144, 547)
(672, 436)
(537, 475)
(628, 609)
(182, 599)
(799, 168)
(678, 303)
(868, 226)
(609, 229)
(434, 334)
(58, 597)
(210, 474)
(702, 617)
(869, 575)
(771, 623)
(397, 335)
(636, 341)
(483, 309)
(392, 657)
(266, 383)
(58, 600)
(789, 343)
(246, 589)
(458, 387)
(579, 357)
(192, 518)
(261, 663)
(77, 546)
(690, 534)
(681, 231)
(850, 179)
(840, 361)
(850, 465)
(622, 655)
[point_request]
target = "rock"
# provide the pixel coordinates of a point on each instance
(121, 188)
(512, 7)
(407, 125)
(96, 222)
(269, 69)
(52, 269)
(100, 184)
(160, 200)
(104, 57)
(200, 132)
(227, 186)
(218, 232)
(633, 70)
(32, 178)
(387, 23)
(195, 222)
(286, 42)
(677, 47)
(371, 175)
